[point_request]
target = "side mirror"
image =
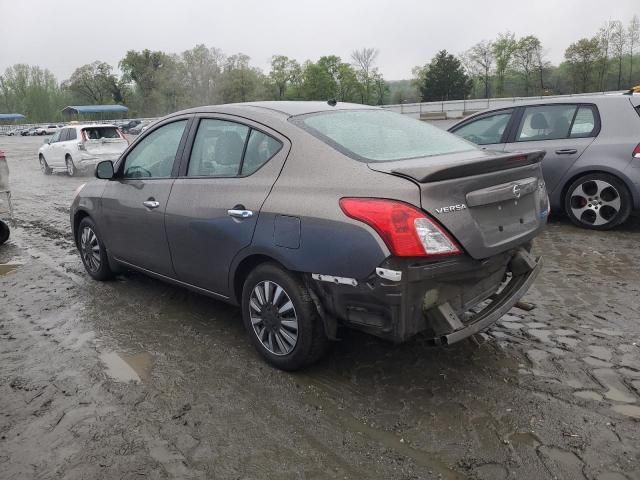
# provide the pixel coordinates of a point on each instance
(104, 170)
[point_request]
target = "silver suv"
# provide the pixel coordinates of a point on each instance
(314, 216)
(592, 161)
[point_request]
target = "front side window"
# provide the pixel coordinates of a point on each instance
(64, 135)
(379, 136)
(545, 122)
(155, 154)
(72, 135)
(486, 130)
(217, 149)
(55, 138)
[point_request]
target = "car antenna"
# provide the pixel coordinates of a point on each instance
(332, 102)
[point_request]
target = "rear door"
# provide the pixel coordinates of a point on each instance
(53, 153)
(135, 201)
(214, 205)
(489, 130)
(563, 131)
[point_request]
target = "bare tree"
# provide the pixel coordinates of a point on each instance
(604, 39)
(364, 60)
(633, 38)
(480, 59)
(618, 47)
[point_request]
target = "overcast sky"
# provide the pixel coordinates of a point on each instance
(64, 34)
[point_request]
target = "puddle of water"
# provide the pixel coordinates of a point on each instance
(628, 410)
(128, 368)
(588, 395)
(7, 268)
(528, 439)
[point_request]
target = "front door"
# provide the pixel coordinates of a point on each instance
(564, 131)
(215, 202)
(135, 201)
(488, 130)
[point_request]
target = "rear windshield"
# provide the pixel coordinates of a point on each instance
(380, 136)
(96, 133)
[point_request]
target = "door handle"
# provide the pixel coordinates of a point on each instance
(151, 204)
(240, 213)
(566, 151)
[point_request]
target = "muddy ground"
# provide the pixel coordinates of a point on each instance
(137, 379)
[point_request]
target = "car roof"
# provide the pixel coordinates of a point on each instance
(90, 125)
(573, 99)
(284, 108)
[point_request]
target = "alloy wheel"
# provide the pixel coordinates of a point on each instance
(71, 169)
(90, 249)
(273, 318)
(595, 202)
(43, 164)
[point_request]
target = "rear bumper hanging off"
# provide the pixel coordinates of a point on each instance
(447, 299)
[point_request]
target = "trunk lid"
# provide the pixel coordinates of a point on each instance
(489, 201)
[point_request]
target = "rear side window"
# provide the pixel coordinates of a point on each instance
(260, 148)
(96, 133)
(486, 130)
(584, 123)
(217, 149)
(64, 135)
(545, 122)
(380, 136)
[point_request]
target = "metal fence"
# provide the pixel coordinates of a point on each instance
(461, 108)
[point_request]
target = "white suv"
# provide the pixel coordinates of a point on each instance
(48, 130)
(81, 147)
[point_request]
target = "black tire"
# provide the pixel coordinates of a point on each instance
(4, 232)
(103, 270)
(312, 341)
(72, 171)
(44, 166)
(598, 201)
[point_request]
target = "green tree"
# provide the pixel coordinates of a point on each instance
(582, 57)
(618, 48)
(94, 83)
(318, 84)
(282, 69)
(443, 79)
(633, 38)
(202, 71)
(240, 82)
(503, 49)
(525, 57)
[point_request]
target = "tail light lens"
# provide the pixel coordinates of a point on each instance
(636, 151)
(406, 230)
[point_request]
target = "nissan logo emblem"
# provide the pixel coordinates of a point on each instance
(516, 191)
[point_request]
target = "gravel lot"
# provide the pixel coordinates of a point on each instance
(137, 379)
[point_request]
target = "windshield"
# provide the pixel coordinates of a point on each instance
(380, 136)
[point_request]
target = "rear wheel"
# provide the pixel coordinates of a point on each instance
(71, 168)
(44, 166)
(92, 250)
(281, 318)
(598, 201)
(4, 232)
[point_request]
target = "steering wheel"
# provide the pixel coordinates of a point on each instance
(137, 171)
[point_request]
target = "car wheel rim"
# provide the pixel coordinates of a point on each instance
(90, 249)
(273, 318)
(595, 202)
(69, 167)
(43, 165)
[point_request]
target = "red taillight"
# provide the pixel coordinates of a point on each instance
(406, 230)
(636, 151)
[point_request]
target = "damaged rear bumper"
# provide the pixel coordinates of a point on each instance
(447, 299)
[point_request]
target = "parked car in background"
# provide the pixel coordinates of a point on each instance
(592, 161)
(314, 216)
(139, 128)
(80, 148)
(46, 130)
(29, 131)
(127, 126)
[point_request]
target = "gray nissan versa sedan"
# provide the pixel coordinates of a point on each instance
(314, 216)
(592, 161)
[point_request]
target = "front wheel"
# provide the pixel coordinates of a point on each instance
(281, 319)
(92, 250)
(44, 166)
(4, 232)
(598, 201)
